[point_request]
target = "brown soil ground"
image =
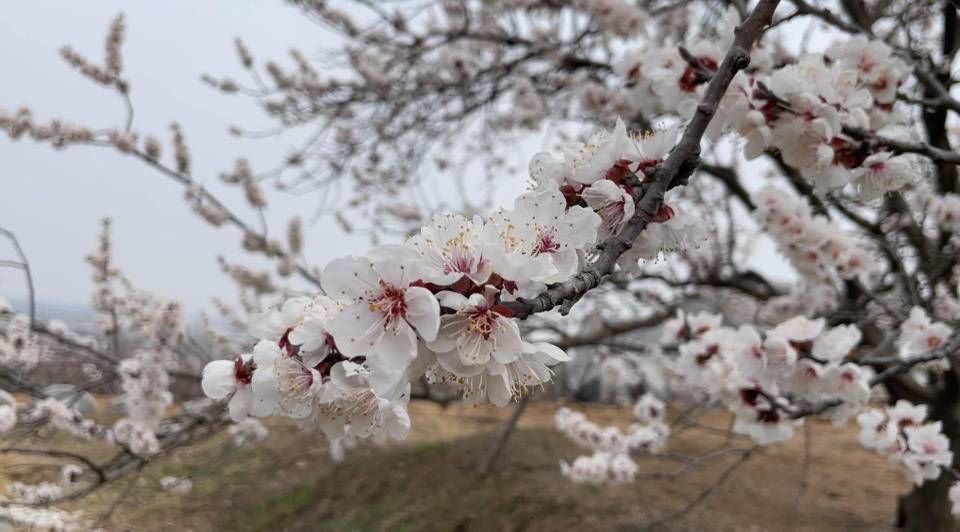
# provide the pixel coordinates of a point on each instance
(430, 482)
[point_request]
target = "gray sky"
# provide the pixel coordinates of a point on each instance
(54, 199)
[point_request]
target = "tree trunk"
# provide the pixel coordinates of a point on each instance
(927, 507)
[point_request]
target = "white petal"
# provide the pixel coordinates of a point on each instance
(396, 264)
(498, 390)
(387, 382)
(566, 262)
(545, 207)
(218, 379)
(267, 324)
(240, 403)
(265, 352)
(509, 343)
(547, 353)
(423, 312)
(453, 300)
(452, 363)
(264, 402)
(395, 350)
(349, 278)
(579, 227)
(357, 329)
(398, 424)
(452, 326)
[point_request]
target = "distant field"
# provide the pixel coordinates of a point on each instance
(430, 482)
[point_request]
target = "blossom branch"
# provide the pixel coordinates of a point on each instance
(897, 366)
(680, 163)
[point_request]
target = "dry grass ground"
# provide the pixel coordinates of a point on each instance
(430, 482)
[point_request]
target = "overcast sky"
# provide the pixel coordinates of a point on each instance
(54, 199)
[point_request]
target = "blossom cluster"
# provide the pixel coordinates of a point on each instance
(945, 209)
(610, 459)
(760, 377)
(65, 417)
(901, 434)
(40, 518)
(603, 175)
(144, 376)
(35, 493)
(438, 306)
(805, 110)
(20, 348)
(434, 306)
(659, 79)
(798, 110)
(27, 507)
(919, 334)
(815, 246)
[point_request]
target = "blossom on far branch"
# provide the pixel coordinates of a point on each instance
(901, 433)
(610, 461)
(760, 378)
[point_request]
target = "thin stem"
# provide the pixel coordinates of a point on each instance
(504, 435)
(28, 276)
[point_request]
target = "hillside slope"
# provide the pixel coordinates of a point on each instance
(430, 482)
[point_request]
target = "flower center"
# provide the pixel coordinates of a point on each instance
(390, 302)
(707, 354)
(547, 243)
(612, 214)
(459, 260)
(482, 322)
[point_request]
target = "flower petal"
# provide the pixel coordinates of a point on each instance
(349, 278)
(218, 379)
(423, 312)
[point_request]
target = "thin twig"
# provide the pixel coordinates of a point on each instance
(55, 453)
(504, 435)
(25, 266)
(105, 517)
(709, 490)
